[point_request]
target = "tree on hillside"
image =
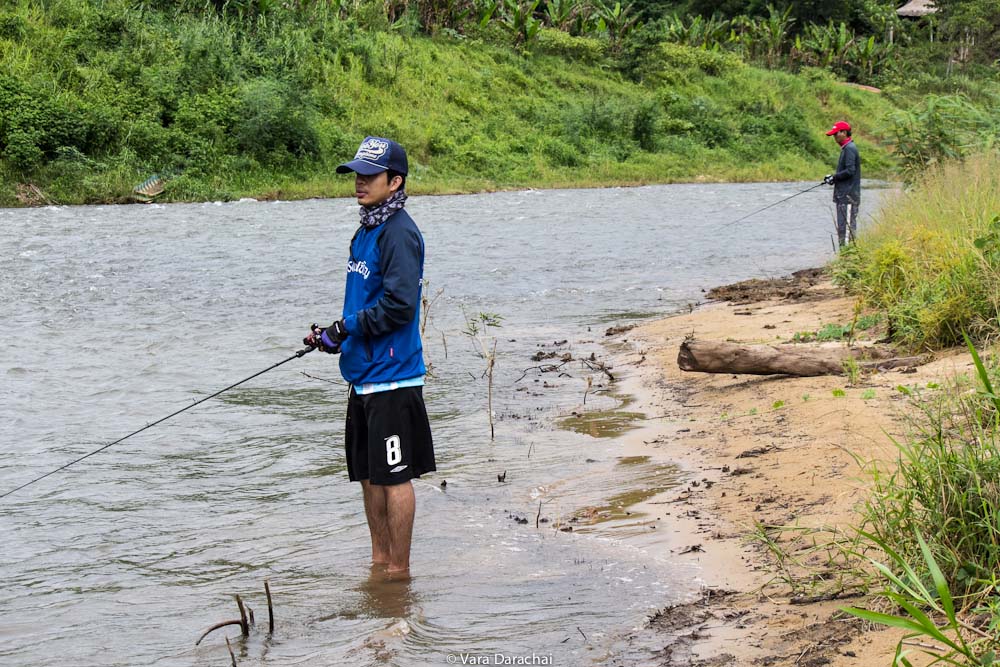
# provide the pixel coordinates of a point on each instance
(974, 25)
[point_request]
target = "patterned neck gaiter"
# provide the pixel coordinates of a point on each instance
(373, 216)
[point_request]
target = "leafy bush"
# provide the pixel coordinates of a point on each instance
(34, 125)
(580, 49)
(274, 123)
(561, 153)
(713, 63)
(941, 127)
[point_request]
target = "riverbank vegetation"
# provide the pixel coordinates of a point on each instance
(933, 515)
(260, 98)
(931, 260)
(931, 263)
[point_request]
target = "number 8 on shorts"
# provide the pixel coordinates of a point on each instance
(393, 452)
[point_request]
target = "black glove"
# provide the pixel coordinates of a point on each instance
(315, 339)
(828, 179)
(337, 332)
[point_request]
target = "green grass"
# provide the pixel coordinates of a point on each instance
(96, 97)
(931, 261)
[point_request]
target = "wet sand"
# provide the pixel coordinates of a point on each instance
(763, 451)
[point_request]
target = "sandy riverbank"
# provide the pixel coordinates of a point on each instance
(771, 450)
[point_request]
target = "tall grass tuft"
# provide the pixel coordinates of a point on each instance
(931, 261)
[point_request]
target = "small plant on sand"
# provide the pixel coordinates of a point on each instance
(832, 332)
(777, 405)
(852, 370)
(866, 322)
(805, 398)
(867, 394)
(839, 393)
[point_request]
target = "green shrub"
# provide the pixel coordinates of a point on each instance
(713, 63)
(580, 49)
(560, 153)
(274, 123)
(13, 26)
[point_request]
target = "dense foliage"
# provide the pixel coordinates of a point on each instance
(230, 98)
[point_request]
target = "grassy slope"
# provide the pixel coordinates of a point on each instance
(174, 91)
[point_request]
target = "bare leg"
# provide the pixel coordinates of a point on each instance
(378, 521)
(401, 504)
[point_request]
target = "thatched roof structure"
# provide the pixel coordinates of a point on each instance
(917, 8)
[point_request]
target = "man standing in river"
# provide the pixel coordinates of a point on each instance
(387, 435)
(846, 182)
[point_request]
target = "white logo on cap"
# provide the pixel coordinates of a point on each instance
(371, 150)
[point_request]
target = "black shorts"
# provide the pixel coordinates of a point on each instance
(388, 436)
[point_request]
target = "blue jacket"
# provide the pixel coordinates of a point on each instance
(382, 303)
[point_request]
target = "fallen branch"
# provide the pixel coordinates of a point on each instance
(598, 366)
(544, 368)
(218, 626)
(826, 597)
(313, 377)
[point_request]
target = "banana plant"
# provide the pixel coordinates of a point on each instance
(559, 14)
(617, 20)
(773, 34)
(827, 46)
(519, 18)
(485, 11)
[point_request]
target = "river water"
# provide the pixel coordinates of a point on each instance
(112, 317)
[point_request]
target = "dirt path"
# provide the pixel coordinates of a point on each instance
(766, 451)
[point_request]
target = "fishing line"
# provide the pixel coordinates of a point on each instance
(782, 201)
(753, 213)
(297, 355)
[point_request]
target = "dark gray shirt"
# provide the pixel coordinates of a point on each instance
(847, 179)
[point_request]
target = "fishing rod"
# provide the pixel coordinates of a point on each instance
(298, 354)
(818, 185)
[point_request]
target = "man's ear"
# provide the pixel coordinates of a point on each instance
(395, 183)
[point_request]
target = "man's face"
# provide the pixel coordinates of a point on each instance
(373, 190)
(840, 136)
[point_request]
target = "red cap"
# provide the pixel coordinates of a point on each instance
(837, 127)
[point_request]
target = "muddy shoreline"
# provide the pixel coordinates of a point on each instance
(768, 460)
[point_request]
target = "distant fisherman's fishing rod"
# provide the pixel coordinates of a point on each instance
(748, 215)
(298, 354)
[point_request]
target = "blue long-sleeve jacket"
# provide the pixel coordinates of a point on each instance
(382, 303)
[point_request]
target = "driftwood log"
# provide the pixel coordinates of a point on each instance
(718, 357)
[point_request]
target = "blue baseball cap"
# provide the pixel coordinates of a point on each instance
(375, 155)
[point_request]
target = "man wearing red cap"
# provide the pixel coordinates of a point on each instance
(846, 182)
